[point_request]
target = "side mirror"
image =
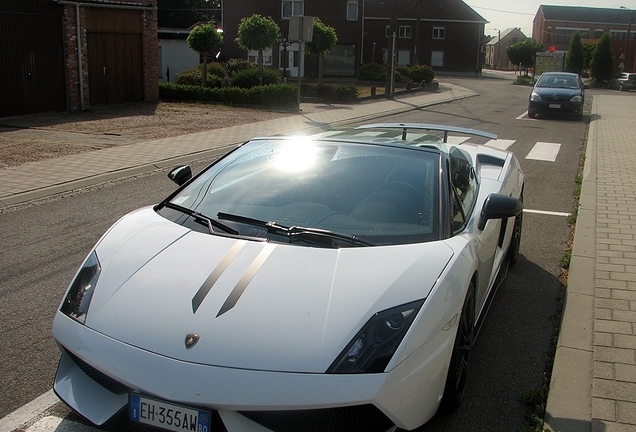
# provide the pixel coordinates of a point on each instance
(499, 207)
(180, 175)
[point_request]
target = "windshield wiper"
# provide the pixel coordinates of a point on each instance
(201, 218)
(294, 232)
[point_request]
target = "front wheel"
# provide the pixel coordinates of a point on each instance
(456, 378)
(531, 115)
(515, 241)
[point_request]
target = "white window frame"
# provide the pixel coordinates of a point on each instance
(252, 55)
(294, 6)
(439, 33)
(352, 10)
(404, 32)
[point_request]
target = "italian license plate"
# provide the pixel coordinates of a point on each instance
(557, 106)
(167, 416)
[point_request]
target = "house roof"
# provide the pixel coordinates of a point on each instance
(504, 33)
(585, 14)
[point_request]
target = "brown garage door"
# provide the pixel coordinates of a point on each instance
(115, 56)
(32, 53)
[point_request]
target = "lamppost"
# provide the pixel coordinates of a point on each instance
(284, 42)
(627, 39)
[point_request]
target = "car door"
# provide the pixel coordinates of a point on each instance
(464, 191)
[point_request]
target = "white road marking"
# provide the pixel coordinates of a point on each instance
(544, 151)
(549, 213)
(56, 424)
(456, 140)
(525, 114)
(501, 144)
(29, 411)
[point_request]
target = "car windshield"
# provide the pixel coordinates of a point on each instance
(359, 194)
(558, 81)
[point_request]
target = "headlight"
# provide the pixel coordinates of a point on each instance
(372, 348)
(578, 99)
(535, 97)
(78, 297)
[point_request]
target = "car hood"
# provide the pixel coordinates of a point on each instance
(254, 305)
(556, 93)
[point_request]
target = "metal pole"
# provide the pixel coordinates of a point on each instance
(300, 67)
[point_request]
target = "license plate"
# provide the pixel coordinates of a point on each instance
(557, 106)
(167, 416)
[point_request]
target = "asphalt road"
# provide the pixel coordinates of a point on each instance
(43, 244)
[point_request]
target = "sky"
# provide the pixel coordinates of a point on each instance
(504, 14)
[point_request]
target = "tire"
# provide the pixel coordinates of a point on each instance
(515, 242)
(457, 371)
(531, 115)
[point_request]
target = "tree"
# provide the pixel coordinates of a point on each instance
(203, 39)
(602, 63)
(588, 52)
(324, 39)
(524, 52)
(257, 33)
(574, 60)
(186, 13)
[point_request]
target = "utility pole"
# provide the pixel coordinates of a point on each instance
(390, 61)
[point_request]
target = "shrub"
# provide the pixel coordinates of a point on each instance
(250, 77)
(330, 92)
(419, 73)
(193, 77)
(233, 66)
(217, 69)
(372, 72)
(402, 74)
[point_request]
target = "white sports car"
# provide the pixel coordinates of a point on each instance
(331, 283)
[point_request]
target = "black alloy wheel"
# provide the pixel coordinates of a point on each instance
(457, 372)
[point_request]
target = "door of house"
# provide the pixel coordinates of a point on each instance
(115, 56)
(32, 53)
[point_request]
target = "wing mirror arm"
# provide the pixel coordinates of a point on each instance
(180, 175)
(499, 207)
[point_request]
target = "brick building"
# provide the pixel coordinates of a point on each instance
(553, 26)
(445, 34)
(69, 55)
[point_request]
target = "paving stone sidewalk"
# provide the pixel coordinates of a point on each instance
(593, 384)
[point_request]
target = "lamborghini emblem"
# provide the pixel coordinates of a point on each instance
(191, 340)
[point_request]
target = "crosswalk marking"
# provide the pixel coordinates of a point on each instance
(544, 151)
(501, 144)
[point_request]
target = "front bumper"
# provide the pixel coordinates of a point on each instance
(96, 373)
(546, 107)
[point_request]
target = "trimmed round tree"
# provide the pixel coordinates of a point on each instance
(204, 39)
(324, 39)
(257, 33)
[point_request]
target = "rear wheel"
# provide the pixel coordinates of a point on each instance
(456, 378)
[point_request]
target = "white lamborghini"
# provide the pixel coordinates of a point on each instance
(330, 283)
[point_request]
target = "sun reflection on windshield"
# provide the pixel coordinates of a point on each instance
(297, 155)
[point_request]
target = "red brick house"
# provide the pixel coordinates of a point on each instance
(553, 26)
(71, 54)
(445, 34)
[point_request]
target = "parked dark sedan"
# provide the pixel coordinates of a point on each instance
(557, 93)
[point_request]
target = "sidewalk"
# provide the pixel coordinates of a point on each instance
(53, 176)
(593, 384)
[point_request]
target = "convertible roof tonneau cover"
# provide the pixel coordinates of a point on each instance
(432, 127)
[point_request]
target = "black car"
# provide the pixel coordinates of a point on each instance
(557, 93)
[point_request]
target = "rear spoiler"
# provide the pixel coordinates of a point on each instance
(430, 127)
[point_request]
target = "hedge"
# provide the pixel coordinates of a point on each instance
(279, 95)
